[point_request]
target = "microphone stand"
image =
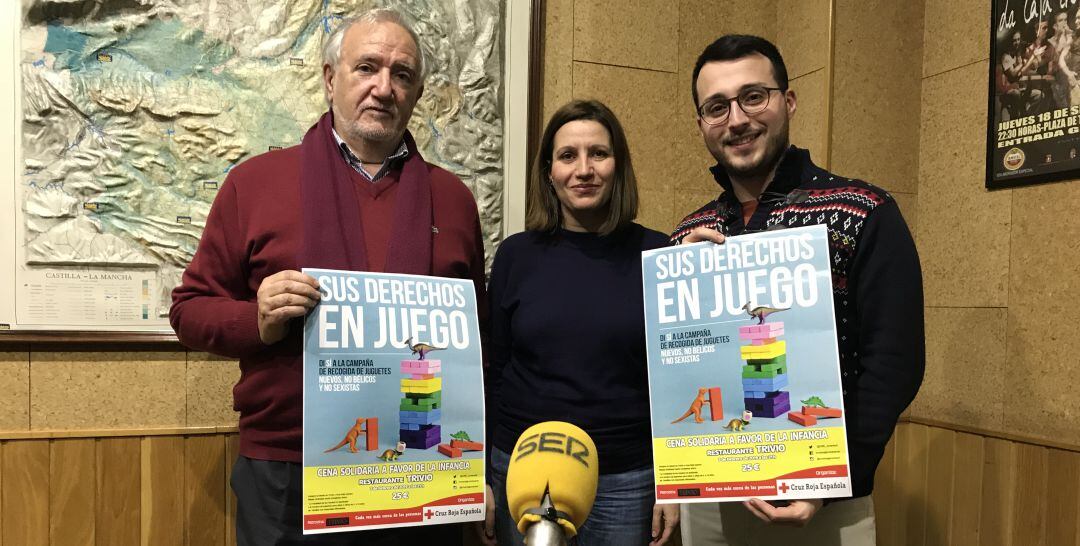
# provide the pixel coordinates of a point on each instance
(547, 531)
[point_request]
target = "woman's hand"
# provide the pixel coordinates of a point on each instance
(485, 530)
(665, 518)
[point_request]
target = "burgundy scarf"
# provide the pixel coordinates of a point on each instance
(333, 236)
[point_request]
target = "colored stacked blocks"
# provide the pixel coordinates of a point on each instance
(765, 372)
(420, 408)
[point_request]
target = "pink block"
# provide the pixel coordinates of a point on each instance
(764, 341)
(768, 334)
(767, 327)
(421, 366)
(421, 376)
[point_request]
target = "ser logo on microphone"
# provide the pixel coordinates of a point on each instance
(553, 442)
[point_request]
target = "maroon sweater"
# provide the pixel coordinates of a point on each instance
(255, 230)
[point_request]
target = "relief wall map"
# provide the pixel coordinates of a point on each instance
(134, 111)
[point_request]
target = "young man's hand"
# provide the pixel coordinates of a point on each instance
(699, 234)
(796, 514)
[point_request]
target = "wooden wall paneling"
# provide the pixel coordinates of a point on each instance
(119, 474)
(204, 496)
(883, 494)
(72, 491)
(162, 491)
(1062, 497)
(940, 456)
(998, 498)
(1, 493)
(232, 450)
(24, 501)
(1028, 528)
(933, 486)
(910, 485)
(897, 510)
(967, 476)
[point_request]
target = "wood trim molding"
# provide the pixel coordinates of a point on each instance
(88, 338)
(537, 30)
(115, 433)
(1012, 437)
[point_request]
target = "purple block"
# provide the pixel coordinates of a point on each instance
(774, 404)
(426, 437)
(778, 410)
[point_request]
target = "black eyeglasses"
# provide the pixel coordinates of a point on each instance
(752, 100)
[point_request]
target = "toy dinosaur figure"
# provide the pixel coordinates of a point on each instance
(393, 454)
(761, 311)
(814, 401)
(737, 424)
(461, 435)
(350, 437)
(422, 348)
(695, 407)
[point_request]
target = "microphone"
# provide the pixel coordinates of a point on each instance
(551, 482)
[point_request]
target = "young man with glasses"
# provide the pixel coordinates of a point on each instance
(744, 107)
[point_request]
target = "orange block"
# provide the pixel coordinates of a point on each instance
(802, 419)
(371, 433)
(467, 446)
(716, 404)
(822, 412)
(451, 452)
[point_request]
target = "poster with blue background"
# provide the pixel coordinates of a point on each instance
(744, 372)
(393, 402)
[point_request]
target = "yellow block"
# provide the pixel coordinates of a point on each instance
(763, 352)
(423, 383)
(420, 390)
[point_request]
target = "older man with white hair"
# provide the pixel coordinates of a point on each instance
(354, 195)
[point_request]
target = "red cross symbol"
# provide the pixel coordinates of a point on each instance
(428, 514)
(784, 488)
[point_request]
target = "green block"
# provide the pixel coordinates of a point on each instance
(420, 401)
(758, 375)
(778, 368)
(408, 405)
(749, 372)
(419, 398)
(782, 359)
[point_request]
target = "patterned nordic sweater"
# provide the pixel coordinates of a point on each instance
(877, 289)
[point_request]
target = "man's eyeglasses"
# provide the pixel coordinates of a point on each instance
(752, 100)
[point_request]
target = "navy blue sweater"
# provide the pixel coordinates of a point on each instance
(877, 290)
(568, 340)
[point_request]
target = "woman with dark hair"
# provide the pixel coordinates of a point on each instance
(567, 325)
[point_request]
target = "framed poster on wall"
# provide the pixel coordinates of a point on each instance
(124, 122)
(1033, 133)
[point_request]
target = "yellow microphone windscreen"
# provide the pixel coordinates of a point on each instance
(559, 458)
